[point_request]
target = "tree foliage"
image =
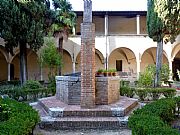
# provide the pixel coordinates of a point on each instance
(169, 12)
(64, 18)
(22, 21)
(147, 77)
(62, 22)
(49, 56)
(154, 23)
(163, 19)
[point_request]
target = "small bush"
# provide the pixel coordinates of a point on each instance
(52, 85)
(30, 91)
(177, 100)
(146, 78)
(168, 92)
(124, 83)
(127, 91)
(31, 84)
(154, 93)
(12, 82)
(5, 111)
(142, 93)
(152, 118)
(22, 118)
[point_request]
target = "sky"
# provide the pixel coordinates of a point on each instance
(112, 5)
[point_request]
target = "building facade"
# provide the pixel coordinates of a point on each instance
(121, 43)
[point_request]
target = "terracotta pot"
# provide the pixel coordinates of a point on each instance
(105, 74)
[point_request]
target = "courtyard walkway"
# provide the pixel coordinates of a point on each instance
(83, 132)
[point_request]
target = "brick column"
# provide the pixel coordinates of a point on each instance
(87, 65)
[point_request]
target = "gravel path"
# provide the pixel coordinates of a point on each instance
(38, 131)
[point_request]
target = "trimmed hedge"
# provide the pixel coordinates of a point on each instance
(155, 93)
(12, 82)
(150, 93)
(152, 119)
(127, 91)
(22, 118)
(24, 93)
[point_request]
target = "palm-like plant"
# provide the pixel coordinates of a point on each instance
(63, 22)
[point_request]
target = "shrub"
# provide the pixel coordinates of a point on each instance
(163, 108)
(31, 84)
(5, 111)
(52, 85)
(169, 92)
(165, 72)
(22, 119)
(142, 93)
(152, 118)
(30, 91)
(12, 82)
(177, 100)
(127, 91)
(124, 83)
(146, 79)
(154, 93)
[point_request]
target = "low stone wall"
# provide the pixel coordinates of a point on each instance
(107, 90)
(68, 89)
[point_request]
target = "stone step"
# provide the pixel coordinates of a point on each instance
(55, 108)
(71, 123)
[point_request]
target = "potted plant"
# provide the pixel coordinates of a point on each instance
(109, 72)
(105, 72)
(113, 71)
(99, 72)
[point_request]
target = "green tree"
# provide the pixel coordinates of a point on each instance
(63, 22)
(163, 21)
(22, 25)
(50, 57)
(147, 78)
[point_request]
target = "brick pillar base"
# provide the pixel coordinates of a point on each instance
(87, 65)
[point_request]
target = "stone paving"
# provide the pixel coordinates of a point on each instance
(83, 132)
(56, 115)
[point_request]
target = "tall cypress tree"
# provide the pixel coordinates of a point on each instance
(22, 24)
(163, 23)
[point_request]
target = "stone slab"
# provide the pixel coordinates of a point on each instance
(69, 123)
(57, 108)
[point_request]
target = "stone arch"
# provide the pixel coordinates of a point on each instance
(100, 56)
(175, 54)
(175, 50)
(78, 62)
(67, 62)
(99, 59)
(33, 67)
(4, 52)
(126, 57)
(15, 63)
(4, 64)
(149, 57)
